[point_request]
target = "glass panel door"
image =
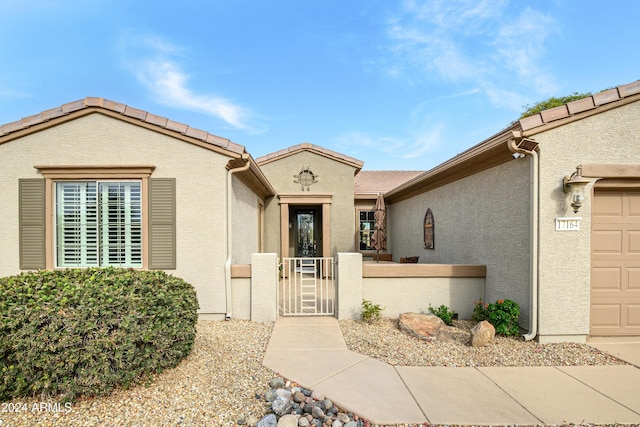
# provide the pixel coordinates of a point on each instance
(307, 244)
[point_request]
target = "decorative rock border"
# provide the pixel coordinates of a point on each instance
(293, 406)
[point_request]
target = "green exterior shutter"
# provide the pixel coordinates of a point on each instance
(32, 224)
(162, 223)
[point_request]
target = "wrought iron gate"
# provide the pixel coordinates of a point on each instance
(307, 287)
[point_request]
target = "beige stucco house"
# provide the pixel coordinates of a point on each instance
(502, 204)
(95, 182)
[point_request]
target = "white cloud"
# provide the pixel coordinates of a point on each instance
(360, 142)
(489, 44)
(413, 146)
(170, 85)
(12, 93)
(155, 63)
(424, 142)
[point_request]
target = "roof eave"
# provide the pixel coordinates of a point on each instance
(581, 109)
(92, 105)
(330, 154)
(487, 154)
(254, 178)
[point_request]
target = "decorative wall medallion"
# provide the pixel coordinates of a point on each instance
(305, 178)
(429, 230)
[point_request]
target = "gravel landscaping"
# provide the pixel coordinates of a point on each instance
(215, 386)
(223, 382)
(384, 341)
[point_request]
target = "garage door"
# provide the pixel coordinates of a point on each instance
(615, 262)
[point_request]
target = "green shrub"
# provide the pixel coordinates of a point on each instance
(479, 311)
(443, 312)
(371, 312)
(503, 315)
(86, 331)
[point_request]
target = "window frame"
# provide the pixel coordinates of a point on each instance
(101, 225)
(370, 209)
(54, 174)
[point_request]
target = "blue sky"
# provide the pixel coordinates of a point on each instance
(397, 84)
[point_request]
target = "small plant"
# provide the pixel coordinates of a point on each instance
(479, 311)
(371, 312)
(503, 315)
(443, 312)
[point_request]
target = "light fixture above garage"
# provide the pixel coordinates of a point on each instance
(575, 185)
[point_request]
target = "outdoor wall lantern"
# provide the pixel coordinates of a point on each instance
(575, 185)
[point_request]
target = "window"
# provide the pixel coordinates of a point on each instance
(98, 223)
(367, 225)
(97, 216)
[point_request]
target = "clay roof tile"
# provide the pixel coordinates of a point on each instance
(97, 103)
(629, 89)
(375, 182)
(73, 106)
(606, 97)
(135, 113)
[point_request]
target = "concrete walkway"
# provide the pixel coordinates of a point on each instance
(312, 352)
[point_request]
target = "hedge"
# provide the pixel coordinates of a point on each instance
(84, 332)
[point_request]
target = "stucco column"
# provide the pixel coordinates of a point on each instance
(264, 286)
(284, 230)
(326, 230)
(349, 285)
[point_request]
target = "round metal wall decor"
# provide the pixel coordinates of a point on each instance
(305, 178)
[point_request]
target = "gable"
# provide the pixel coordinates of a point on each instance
(96, 130)
(310, 148)
(331, 174)
(74, 110)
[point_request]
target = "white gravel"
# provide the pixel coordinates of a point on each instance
(215, 386)
(218, 383)
(384, 341)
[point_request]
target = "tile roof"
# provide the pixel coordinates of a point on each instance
(314, 148)
(593, 102)
(130, 112)
(374, 182)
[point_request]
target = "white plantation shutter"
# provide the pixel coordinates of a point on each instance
(120, 224)
(76, 224)
(99, 224)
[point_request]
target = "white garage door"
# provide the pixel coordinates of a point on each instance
(615, 262)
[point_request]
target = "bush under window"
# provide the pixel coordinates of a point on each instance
(86, 331)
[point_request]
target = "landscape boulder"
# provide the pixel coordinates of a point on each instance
(482, 334)
(423, 326)
(288, 421)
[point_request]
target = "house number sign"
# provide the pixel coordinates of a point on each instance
(568, 224)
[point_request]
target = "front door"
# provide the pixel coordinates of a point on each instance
(306, 244)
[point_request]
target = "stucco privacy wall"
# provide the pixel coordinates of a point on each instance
(100, 140)
(481, 219)
(335, 178)
(612, 137)
(241, 298)
(415, 294)
(245, 221)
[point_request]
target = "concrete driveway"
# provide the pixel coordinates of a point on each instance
(627, 349)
